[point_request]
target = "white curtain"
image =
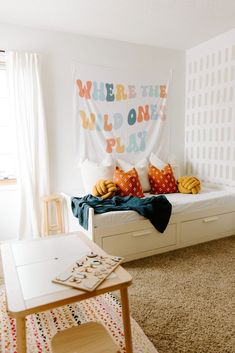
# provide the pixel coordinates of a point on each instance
(28, 113)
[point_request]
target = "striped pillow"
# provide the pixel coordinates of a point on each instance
(128, 182)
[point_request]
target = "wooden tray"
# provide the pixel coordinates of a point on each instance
(89, 272)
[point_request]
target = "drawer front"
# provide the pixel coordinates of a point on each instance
(208, 226)
(139, 241)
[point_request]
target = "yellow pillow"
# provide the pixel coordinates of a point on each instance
(104, 188)
(189, 185)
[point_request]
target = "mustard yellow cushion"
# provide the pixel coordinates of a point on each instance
(104, 188)
(189, 185)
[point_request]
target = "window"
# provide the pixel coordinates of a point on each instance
(7, 138)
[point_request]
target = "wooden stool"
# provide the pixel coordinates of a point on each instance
(56, 201)
(90, 337)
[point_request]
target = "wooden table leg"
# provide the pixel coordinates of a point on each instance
(126, 319)
(21, 334)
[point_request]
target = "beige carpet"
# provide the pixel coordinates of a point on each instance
(184, 300)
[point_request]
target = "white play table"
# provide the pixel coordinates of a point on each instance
(30, 265)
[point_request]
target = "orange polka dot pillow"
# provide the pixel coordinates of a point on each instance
(128, 182)
(162, 181)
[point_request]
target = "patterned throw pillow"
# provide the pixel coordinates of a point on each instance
(128, 183)
(142, 170)
(162, 181)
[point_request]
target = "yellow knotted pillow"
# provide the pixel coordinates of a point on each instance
(104, 188)
(189, 185)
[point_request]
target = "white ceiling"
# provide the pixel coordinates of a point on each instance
(179, 24)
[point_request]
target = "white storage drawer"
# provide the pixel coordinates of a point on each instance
(208, 226)
(139, 241)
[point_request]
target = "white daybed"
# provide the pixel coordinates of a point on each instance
(195, 219)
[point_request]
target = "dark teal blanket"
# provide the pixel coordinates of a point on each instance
(156, 208)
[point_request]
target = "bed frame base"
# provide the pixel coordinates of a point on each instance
(138, 239)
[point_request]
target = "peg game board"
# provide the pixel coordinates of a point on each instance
(89, 272)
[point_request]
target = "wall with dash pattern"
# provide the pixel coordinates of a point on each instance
(210, 110)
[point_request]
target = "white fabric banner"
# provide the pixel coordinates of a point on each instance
(118, 114)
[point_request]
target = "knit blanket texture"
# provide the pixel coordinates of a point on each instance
(155, 208)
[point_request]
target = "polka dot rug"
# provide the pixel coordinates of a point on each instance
(40, 328)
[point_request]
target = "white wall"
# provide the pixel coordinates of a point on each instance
(210, 110)
(58, 52)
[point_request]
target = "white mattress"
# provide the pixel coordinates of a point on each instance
(208, 198)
